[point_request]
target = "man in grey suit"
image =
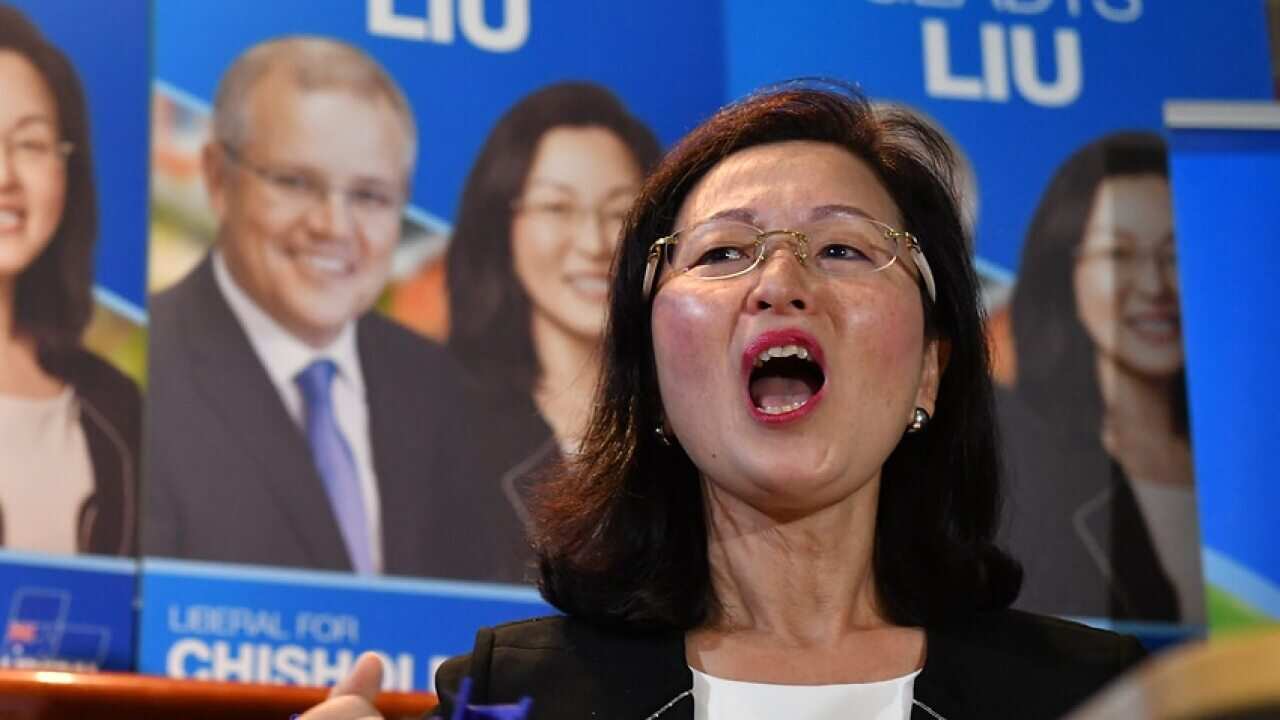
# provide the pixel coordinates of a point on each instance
(289, 425)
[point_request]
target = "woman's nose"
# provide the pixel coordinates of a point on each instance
(782, 282)
(589, 235)
(1151, 276)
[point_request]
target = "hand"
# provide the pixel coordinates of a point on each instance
(352, 698)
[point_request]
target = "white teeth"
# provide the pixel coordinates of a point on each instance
(591, 284)
(779, 351)
(1156, 326)
(9, 219)
(783, 409)
(326, 264)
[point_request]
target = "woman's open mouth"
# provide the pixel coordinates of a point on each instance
(784, 375)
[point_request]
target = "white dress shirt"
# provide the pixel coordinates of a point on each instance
(720, 699)
(46, 475)
(283, 356)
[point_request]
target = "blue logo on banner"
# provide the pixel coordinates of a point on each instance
(71, 613)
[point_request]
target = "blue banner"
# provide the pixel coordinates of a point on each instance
(225, 622)
(73, 613)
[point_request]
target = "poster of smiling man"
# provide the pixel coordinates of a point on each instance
(309, 192)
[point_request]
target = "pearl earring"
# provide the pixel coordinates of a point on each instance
(919, 419)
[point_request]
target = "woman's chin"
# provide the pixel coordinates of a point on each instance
(786, 490)
(1156, 364)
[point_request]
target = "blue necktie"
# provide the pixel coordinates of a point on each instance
(334, 461)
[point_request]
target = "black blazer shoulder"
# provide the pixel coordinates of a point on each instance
(1011, 663)
(111, 418)
(999, 664)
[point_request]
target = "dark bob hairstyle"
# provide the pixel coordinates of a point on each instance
(1057, 374)
(54, 295)
(621, 534)
(489, 327)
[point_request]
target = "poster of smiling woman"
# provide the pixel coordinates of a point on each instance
(1056, 106)
(72, 332)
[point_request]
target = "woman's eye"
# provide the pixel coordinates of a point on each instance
(721, 254)
(35, 146)
(837, 251)
(559, 209)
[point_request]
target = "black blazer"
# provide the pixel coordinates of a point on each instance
(1073, 522)
(111, 416)
(521, 451)
(229, 475)
(1005, 664)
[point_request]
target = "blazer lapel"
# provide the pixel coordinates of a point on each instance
(939, 692)
(233, 383)
(665, 658)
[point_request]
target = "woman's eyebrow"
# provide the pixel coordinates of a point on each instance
(822, 212)
(33, 119)
(556, 184)
(626, 189)
(740, 214)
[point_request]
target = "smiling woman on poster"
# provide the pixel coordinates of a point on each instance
(69, 421)
(1102, 498)
(528, 269)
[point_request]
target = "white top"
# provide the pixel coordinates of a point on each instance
(719, 699)
(1170, 512)
(46, 476)
(284, 356)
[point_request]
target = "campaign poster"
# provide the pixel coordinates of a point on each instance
(1055, 107)
(380, 237)
(73, 178)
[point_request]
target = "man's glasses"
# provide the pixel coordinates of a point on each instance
(839, 245)
(370, 200)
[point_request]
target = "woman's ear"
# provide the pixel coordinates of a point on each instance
(937, 352)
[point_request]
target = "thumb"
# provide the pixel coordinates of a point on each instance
(364, 680)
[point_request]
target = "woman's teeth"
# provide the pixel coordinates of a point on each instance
(781, 351)
(591, 285)
(10, 220)
(781, 409)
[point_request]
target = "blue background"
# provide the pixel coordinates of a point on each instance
(670, 74)
(1224, 188)
(108, 44)
(1174, 50)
